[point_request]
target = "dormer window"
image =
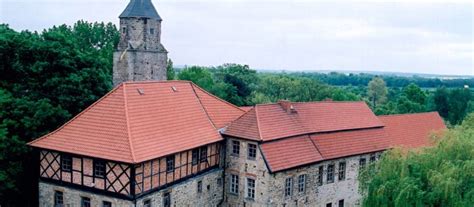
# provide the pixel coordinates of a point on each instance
(152, 31)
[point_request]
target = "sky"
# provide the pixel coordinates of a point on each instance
(434, 37)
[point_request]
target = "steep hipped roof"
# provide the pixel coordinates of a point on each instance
(412, 130)
(140, 8)
(139, 121)
(270, 121)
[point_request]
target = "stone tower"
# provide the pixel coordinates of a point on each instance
(140, 54)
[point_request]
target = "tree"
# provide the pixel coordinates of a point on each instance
(437, 176)
(377, 91)
(46, 79)
(458, 105)
(414, 93)
(170, 73)
(441, 102)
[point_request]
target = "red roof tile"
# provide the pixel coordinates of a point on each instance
(412, 130)
(291, 152)
(138, 121)
(273, 122)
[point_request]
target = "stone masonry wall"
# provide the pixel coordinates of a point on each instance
(186, 194)
(72, 197)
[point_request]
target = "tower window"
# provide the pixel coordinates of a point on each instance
(124, 30)
(152, 31)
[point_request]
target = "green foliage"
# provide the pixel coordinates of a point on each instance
(170, 73)
(377, 91)
(439, 176)
(46, 79)
(458, 105)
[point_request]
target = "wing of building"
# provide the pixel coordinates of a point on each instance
(165, 140)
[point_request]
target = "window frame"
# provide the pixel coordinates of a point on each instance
(170, 164)
(195, 156)
(66, 163)
(199, 186)
(341, 173)
(167, 199)
(302, 183)
(330, 173)
(203, 157)
(320, 175)
(362, 163)
(288, 191)
(251, 151)
(85, 201)
(250, 188)
(99, 168)
(372, 158)
(234, 184)
(340, 203)
(58, 198)
(235, 148)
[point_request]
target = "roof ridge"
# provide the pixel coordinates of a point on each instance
(77, 116)
(222, 100)
(202, 105)
(258, 124)
(129, 133)
(407, 114)
(311, 102)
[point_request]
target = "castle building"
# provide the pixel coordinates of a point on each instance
(156, 143)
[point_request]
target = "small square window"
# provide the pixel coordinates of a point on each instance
(106, 204)
(147, 203)
(99, 168)
(58, 199)
(66, 163)
(199, 186)
(170, 164)
(235, 148)
(85, 202)
(252, 151)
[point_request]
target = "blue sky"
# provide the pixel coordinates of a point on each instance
(401, 36)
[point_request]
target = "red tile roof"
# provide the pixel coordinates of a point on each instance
(407, 130)
(131, 127)
(413, 130)
(288, 153)
(270, 121)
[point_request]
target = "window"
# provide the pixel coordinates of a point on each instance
(66, 163)
(235, 148)
(301, 183)
(147, 203)
(199, 186)
(372, 157)
(361, 163)
(328, 204)
(203, 154)
(219, 181)
(341, 203)
(58, 199)
(288, 187)
(124, 30)
(195, 158)
(167, 200)
(250, 188)
(152, 31)
(330, 175)
(85, 202)
(234, 184)
(252, 151)
(170, 163)
(106, 204)
(99, 168)
(342, 171)
(320, 175)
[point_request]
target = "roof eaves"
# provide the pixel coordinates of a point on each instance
(128, 122)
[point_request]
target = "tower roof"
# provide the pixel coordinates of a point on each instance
(140, 8)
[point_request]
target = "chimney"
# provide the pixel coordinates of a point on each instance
(287, 106)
